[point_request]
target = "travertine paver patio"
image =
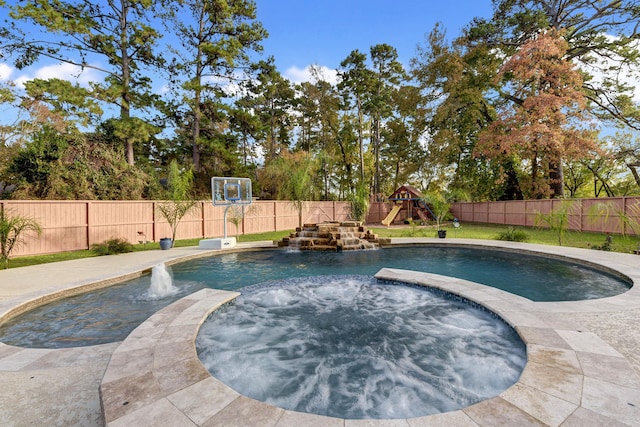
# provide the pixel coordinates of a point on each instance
(583, 363)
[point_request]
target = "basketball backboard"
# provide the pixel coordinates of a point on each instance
(229, 191)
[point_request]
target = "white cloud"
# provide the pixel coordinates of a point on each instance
(69, 72)
(5, 72)
(63, 71)
(299, 75)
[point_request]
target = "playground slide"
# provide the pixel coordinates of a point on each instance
(392, 215)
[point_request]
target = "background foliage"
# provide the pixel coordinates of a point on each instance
(510, 108)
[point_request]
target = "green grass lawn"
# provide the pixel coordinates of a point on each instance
(625, 244)
(576, 239)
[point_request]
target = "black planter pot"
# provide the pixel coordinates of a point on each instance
(165, 243)
(442, 234)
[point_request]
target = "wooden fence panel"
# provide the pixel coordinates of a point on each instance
(515, 213)
(377, 212)
(213, 220)
(285, 217)
(63, 223)
(592, 215)
(264, 219)
(111, 220)
(316, 212)
(481, 212)
(632, 209)
(583, 213)
(463, 211)
(495, 212)
(342, 211)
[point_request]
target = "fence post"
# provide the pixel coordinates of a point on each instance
(87, 214)
(504, 212)
(624, 210)
(202, 220)
(581, 214)
(154, 225)
(275, 216)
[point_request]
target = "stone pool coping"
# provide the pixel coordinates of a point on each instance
(572, 376)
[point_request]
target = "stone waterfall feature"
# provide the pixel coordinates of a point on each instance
(332, 236)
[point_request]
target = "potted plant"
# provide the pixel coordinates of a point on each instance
(439, 207)
(165, 243)
(178, 203)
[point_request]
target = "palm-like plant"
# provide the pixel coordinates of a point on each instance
(629, 217)
(179, 202)
(439, 206)
(13, 230)
(557, 219)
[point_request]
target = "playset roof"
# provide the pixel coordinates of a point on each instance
(406, 192)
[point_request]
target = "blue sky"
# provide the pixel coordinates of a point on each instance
(324, 32)
(320, 32)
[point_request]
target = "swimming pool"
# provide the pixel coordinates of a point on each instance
(110, 314)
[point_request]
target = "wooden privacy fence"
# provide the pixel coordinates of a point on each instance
(583, 214)
(76, 225)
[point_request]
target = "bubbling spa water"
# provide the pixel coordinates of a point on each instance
(351, 347)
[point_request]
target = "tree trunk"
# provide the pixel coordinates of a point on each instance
(376, 150)
(360, 142)
(125, 107)
(556, 180)
(634, 172)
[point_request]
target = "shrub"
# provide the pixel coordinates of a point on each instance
(13, 231)
(513, 235)
(360, 203)
(111, 247)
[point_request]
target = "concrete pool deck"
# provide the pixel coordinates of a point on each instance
(583, 357)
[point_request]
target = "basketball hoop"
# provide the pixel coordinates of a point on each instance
(227, 191)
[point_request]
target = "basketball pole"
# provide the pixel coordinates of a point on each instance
(225, 219)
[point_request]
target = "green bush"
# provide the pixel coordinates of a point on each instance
(512, 234)
(111, 247)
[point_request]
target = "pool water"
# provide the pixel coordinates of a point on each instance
(110, 314)
(351, 347)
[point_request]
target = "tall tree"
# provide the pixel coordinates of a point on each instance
(114, 37)
(602, 37)
(403, 153)
(387, 75)
(245, 125)
(319, 107)
(546, 123)
(355, 82)
(456, 82)
(216, 39)
(272, 98)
